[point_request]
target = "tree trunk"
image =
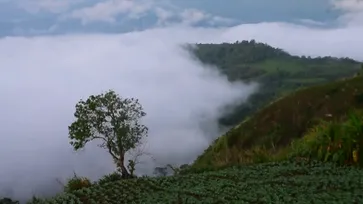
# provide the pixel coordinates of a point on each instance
(121, 165)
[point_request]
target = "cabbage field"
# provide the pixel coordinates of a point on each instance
(283, 182)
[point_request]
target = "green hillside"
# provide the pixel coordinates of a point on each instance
(277, 72)
(288, 118)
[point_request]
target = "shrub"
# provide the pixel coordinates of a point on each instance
(115, 176)
(35, 200)
(334, 141)
(258, 154)
(77, 183)
(8, 201)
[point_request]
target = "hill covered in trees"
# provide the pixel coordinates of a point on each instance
(297, 140)
(277, 72)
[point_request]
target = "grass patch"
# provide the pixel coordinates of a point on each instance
(277, 125)
(333, 141)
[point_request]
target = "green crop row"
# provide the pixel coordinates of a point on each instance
(283, 182)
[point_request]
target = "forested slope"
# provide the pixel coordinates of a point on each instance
(277, 72)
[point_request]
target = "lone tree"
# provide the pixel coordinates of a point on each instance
(112, 120)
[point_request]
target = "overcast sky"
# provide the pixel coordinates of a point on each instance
(42, 77)
(34, 17)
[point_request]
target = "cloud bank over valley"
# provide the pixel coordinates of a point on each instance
(43, 77)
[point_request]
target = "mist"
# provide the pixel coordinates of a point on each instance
(42, 78)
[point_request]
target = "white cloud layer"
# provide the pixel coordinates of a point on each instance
(353, 11)
(112, 11)
(107, 11)
(348, 5)
(194, 16)
(53, 6)
(42, 78)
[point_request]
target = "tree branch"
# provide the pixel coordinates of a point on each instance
(110, 151)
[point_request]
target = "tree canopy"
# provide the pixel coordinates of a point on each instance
(113, 120)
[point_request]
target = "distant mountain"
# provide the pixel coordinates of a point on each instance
(277, 72)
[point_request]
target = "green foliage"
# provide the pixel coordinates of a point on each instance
(334, 141)
(282, 182)
(112, 120)
(36, 200)
(257, 154)
(277, 72)
(77, 183)
(8, 201)
(274, 127)
(131, 167)
(115, 176)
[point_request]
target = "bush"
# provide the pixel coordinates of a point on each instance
(8, 201)
(258, 155)
(77, 183)
(115, 176)
(35, 200)
(338, 142)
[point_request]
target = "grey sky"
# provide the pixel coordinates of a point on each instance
(34, 17)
